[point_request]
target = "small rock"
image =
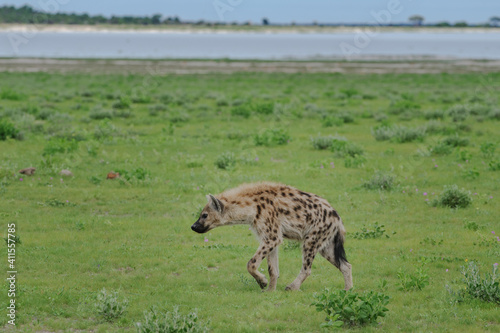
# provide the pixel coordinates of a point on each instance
(66, 173)
(28, 171)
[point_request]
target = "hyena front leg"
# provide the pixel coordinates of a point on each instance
(254, 263)
(309, 250)
(273, 268)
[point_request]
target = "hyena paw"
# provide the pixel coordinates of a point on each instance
(291, 287)
(262, 284)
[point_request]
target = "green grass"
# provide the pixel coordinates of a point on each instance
(132, 235)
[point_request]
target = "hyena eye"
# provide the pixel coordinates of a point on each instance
(204, 215)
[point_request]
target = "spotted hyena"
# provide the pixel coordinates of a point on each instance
(276, 211)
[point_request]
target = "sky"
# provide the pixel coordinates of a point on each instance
(284, 11)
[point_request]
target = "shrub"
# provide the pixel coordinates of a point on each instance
(352, 149)
(456, 141)
(365, 233)
(272, 137)
(350, 308)
(403, 134)
(380, 117)
(141, 98)
(60, 146)
(435, 127)
(180, 117)
(323, 142)
(108, 306)
(98, 114)
(382, 133)
(400, 106)
(332, 121)
(155, 109)
(434, 114)
(441, 148)
(488, 149)
(453, 197)
(346, 117)
(458, 112)
(156, 321)
(225, 161)
(354, 161)
(105, 130)
(485, 289)
(380, 181)
(494, 114)
(263, 108)
(7, 130)
(11, 95)
(242, 111)
(413, 281)
(122, 103)
(494, 165)
(134, 174)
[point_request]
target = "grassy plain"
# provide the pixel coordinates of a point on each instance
(165, 133)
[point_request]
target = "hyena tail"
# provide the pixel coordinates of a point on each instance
(338, 246)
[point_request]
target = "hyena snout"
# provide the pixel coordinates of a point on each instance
(199, 228)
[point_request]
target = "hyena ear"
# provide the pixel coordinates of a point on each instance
(215, 203)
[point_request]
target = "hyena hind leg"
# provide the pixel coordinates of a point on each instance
(328, 252)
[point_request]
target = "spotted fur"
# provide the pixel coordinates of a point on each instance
(274, 212)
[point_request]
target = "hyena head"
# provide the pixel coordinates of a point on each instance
(211, 216)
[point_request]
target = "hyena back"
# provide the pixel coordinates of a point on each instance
(276, 211)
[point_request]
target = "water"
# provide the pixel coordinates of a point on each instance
(237, 45)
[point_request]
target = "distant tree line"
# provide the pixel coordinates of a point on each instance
(28, 15)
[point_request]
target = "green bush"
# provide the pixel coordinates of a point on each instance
(156, 321)
(413, 281)
(346, 117)
(242, 111)
(365, 233)
(225, 161)
(139, 174)
(458, 112)
(456, 141)
(403, 134)
(494, 114)
(380, 181)
(488, 149)
(272, 137)
(60, 146)
(441, 148)
(403, 105)
(453, 197)
(98, 114)
(7, 130)
(263, 108)
(332, 121)
(434, 114)
(486, 289)
(122, 103)
(350, 308)
(108, 306)
(323, 142)
(398, 134)
(383, 133)
(494, 165)
(354, 161)
(11, 95)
